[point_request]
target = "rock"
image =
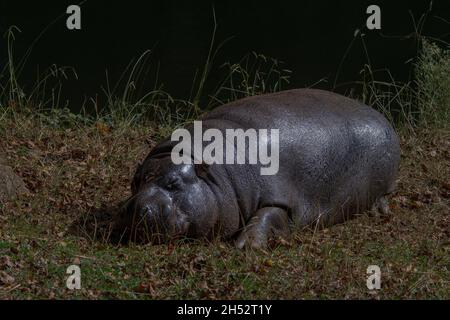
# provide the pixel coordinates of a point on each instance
(11, 185)
(3, 161)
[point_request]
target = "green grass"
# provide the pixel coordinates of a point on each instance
(433, 83)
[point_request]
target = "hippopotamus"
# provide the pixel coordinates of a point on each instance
(337, 158)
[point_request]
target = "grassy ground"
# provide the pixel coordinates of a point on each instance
(71, 172)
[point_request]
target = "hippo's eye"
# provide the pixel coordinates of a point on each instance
(149, 178)
(173, 184)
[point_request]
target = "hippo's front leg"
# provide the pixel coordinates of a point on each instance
(268, 223)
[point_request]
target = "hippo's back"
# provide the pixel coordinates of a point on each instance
(335, 153)
(294, 107)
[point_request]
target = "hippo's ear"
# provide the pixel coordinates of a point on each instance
(202, 170)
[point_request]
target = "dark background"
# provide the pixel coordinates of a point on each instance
(310, 36)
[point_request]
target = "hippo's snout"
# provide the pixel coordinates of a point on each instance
(148, 212)
(150, 216)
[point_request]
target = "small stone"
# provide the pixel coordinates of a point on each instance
(11, 185)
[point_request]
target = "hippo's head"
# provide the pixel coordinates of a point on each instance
(168, 201)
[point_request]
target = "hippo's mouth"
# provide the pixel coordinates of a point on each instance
(155, 226)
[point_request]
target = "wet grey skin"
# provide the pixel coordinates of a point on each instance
(338, 158)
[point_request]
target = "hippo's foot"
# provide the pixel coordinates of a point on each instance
(381, 206)
(267, 224)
